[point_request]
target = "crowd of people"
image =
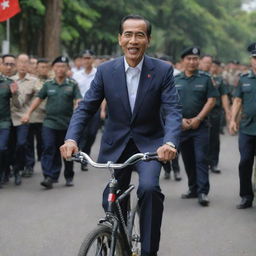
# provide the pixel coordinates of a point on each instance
(24, 133)
(181, 107)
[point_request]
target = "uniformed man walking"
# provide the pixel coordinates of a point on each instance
(198, 97)
(7, 89)
(61, 93)
(215, 117)
(245, 98)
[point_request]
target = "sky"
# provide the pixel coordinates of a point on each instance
(249, 6)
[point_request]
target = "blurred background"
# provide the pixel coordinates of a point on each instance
(46, 28)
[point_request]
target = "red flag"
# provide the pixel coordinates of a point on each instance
(8, 8)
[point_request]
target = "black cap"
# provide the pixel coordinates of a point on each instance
(190, 51)
(88, 52)
(60, 59)
(252, 49)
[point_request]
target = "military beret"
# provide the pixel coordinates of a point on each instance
(252, 49)
(190, 51)
(60, 59)
(88, 52)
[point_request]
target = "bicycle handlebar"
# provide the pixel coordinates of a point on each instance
(82, 157)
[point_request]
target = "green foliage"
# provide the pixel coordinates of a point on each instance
(219, 27)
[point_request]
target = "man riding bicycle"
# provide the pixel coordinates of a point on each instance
(137, 89)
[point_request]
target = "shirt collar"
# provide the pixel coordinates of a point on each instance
(252, 74)
(196, 73)
(139, 66)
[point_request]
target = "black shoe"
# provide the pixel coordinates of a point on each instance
(17, 179)
(245, 203)
(189, 194)
(84, 168)
(214, 169)
(69, 182)
(203, 199)
(177, 176)
(28, 172)
(47, 182)
(167, 175)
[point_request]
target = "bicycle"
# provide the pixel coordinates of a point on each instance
(114, 236)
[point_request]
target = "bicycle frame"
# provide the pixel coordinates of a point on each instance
(115, 216)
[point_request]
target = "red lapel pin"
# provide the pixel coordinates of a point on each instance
(149, 76)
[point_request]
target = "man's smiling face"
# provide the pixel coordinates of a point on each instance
(134, 40)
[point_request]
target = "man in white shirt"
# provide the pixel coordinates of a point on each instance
(84, 79)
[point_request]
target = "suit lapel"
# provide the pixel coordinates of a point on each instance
(147, 74)
(119, 78)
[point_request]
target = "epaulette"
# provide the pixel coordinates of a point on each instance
(201, 72)
(4, 78)
(71, 80)
(50, 80)
(178, 75)
(245, 74)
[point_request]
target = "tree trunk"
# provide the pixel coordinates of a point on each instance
(52, 28)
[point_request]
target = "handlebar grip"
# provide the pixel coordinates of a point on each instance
(152, 154)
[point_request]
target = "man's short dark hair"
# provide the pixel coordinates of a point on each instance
(8, 55)
(135, 17)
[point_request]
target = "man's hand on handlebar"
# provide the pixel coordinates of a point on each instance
(68, 148)
(166, 153)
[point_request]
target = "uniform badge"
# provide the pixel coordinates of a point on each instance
(195, 51)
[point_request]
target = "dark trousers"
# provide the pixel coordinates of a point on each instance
(193, 147)
(35, 132)
(172, 165)
(247, 144)
(51, 159)
(21, 134)
(149, 194)
(89, 134)
(214, 138)
(4, 137)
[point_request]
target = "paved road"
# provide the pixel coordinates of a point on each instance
(36, 222)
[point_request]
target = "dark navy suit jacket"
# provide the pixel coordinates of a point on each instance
(156, 95)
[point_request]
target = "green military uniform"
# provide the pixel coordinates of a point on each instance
(60, 102)
(59, 109)
(5, 123)
(246, 90)
(5, 95)
(214, 125)
(194, 92)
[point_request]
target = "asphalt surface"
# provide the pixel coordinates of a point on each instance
(39, 222)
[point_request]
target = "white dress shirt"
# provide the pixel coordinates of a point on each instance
(132, 80)
(84, 80)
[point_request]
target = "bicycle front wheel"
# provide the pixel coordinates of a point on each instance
(98, 242)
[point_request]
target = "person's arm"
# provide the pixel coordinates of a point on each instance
(208, 106)
(226, 106)
(82, 114)
(171, 109)
(35, 103)
(236, 106)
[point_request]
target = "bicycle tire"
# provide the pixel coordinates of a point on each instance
(101, 237)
